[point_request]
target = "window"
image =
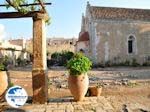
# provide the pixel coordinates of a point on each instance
(131, 44)
(81, 50)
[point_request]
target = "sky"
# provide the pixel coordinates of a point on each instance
(65, 18)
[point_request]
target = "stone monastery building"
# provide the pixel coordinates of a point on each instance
(115, 35)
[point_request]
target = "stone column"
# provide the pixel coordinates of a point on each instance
(39, 74)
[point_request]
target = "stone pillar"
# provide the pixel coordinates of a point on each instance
(39, 74)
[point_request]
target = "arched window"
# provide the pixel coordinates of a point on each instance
(81, 50)
(131, 44)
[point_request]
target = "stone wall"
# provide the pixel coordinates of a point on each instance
(56, 45)
(112, 37)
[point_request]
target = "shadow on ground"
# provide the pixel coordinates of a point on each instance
(14, 110)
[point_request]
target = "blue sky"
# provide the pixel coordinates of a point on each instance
(65, 18)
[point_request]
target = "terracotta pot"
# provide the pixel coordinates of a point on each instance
(3, 82)
(95, 91)
(78, 86)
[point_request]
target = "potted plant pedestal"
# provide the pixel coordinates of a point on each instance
(78, 80)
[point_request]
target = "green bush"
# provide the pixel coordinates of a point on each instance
(55, 55)
(60, 58)
(146, 64)
(79, 64)
(5, 61)
(66, 56)
(126, 63)
(2, 67)
(21, 62)
(135, 63)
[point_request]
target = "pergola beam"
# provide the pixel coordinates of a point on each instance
(7, 15)
(42, 5)
(26, 5)
(19, 10)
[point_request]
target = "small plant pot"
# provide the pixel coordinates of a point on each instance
(78, 86)
(3, 82)
(95, 91)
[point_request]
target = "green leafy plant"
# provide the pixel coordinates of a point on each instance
(60, 58)
(5, 61)
(79, 64)
(21, 62)
(99, 85)
(11, 84)
(2, 67)
(135, 63)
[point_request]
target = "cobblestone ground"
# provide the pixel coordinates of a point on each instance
(90, 104)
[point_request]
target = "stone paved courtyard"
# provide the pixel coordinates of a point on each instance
(90, 104)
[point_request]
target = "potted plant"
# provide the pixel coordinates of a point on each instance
(78, 80)
(95, 90)
(3, 79)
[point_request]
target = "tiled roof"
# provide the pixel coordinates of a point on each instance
(18, 42)
(84, 36)
(120, 13)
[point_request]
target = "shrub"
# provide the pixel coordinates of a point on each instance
(126, 63)
(2, 67)
(66, 56)
(21, 62)
(134, 63)
(97, 65)
(79, 64)
(5, 61)
(146, 64)
(60, 58)
(55, 55)
(108, 64)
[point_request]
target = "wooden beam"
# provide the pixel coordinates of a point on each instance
(42, 5)
(7, 15)
(25, 5)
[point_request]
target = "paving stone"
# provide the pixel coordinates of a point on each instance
(99, 109)
(58, 110)
(49, 110)
(69, 107)
(78, 107)
(78, 111)
(52, 106)
(83, 103)
(61, 106)
(89, 111)
(69, 110)
(94, 104)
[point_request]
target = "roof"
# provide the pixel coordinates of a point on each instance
(84, 36)
(18, 42)
(119, 13)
